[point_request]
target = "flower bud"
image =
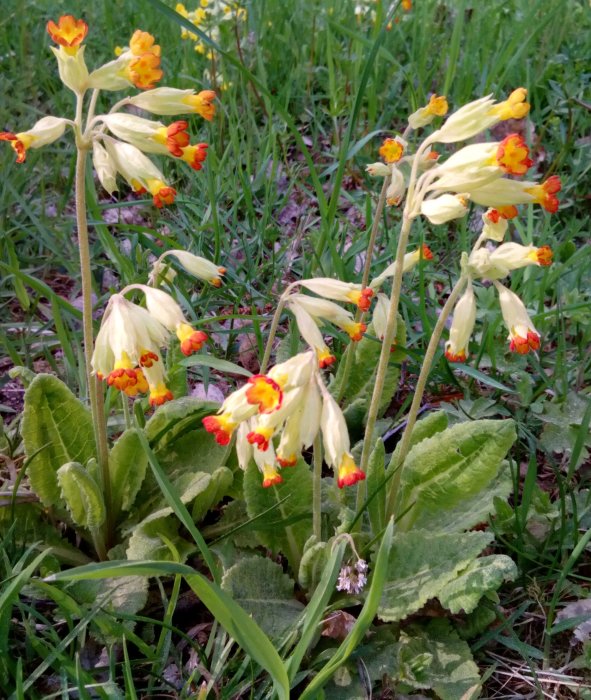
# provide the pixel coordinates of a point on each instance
(104, 167)
(437, 107)
(464, 317)
(377, 169)
(445, 208)
(523, 336)
(396, 188)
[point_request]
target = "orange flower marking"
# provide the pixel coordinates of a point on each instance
(202, 103)
(544, 194)
(289, 461)
(260, 437)
(362, 298)
(174, 137)
(458, 357)
(160, 394)
(143, 42)
(144, 71)
(147, 358)
(513, 155)
(191, 340)
(140, 387)
(19, 143)
(407, 7)
(543, 255)
(349, 473)
(122, 378)
(194, 155)
(391, 150)
(325, 359)
(271, 476)
(426, 253)
(220, 426)
(514, 107)
(432, 155)
(265, 392)
(217, 281)
(68, 32)
(356, 330)
(522, 345)
(508, 212)
(161, 193)
(437, 105)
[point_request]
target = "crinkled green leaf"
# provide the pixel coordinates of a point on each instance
(176, 418)
(221, 481)
(471, 511)
(314, 559)
(260, 587)
(56, 429)
(442, 471)
(376, 508)
(128, 462)
(481, 576)
(148, 541)
(286, 528)
(421, 564)
(82, 495)
(429, 425)
(434, 657)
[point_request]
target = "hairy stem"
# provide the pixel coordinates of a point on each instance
(419, 391)
(317, 489)
(92, 385)
(350, 351)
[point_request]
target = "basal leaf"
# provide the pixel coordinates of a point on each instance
(431, 424)
(221, 480)
(261, 588)
(421, 563)
(149, 541)
(448, 667)
(82, 495)
(314, 560)
(176, 418)
(127, 465)
(442, 471)
(56, 429)
(376, 508)
(481, 576)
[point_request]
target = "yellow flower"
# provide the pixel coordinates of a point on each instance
(437, 107)
(45, 131)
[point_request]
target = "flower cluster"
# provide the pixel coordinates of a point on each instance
(486, 173)
(119, 141)
(127, 353)
(208, 17)
(292, 403)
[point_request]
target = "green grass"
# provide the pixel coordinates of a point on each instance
(317, 90)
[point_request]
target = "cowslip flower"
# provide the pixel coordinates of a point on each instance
(311, 334)
(464, 318)
(396, 188)
(437, 107)
(444, 208)
(69, 33)
(45, 131)
(104, 167)
(337, 446)
(264, 427)
(481, 114)
(301, 426)
(392, 150)
(129, 339)
(165, 310)
(340, 291)
(410, 260)
(197, 266)
(377, 169)
(139, 172)
(495, 222)
(478, 164)
(260, 394)
(523, 335)
(166, 101)
(331, 312)
(504, 192)
(138, 65)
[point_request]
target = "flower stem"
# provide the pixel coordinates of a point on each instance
(274, 325)
(389, 335)
(93, 388)
(317, 489)
(419, 391)
(350, 351)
